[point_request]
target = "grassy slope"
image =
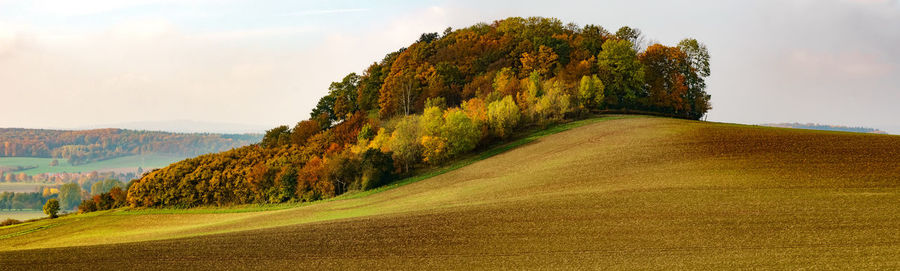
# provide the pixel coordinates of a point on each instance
(148, 162)
(632, 193)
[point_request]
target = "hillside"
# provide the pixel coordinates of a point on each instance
(616, 194)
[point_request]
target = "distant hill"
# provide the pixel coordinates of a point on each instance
(825, 127)
(79, 147)
(185, 126)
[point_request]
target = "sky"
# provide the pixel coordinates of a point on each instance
(90, 63)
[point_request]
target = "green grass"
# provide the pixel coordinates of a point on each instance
(636, 193)
(147, 162)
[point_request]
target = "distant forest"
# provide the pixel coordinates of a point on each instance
(80, 147)
(824, 127)
(444, 96)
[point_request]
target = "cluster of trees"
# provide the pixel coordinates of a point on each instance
(441, 97)
(69, 196)
(79, 147)
(115, 198)
(20, 201)
(321, 167)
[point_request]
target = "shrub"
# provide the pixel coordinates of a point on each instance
(9, 221)
(51, 208)
(377, 169)
(119, 197)
(87, 206)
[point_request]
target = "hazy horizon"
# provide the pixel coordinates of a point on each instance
(88, 63)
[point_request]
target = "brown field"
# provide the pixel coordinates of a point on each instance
(637, 193)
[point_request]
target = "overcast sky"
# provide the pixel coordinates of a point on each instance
(68, 64)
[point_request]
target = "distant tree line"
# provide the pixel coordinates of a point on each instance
(66, 177)
(442, 97)
(79, 147)
(22, 201)
(107, 193)
(825, 127)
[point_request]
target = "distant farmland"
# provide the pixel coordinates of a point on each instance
(635, 193)
(147, 162)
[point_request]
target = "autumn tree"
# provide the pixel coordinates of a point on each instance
(304, 130)
(664, 67)
(506, 82)
(434, 149)
(118, 196)
(543, 61)
(309, 180)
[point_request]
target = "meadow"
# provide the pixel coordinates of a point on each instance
(147, 162)
(632, 193)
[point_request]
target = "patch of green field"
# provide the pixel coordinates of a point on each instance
(636, 193)
(21, 187)
(147, 162)
(21, 215)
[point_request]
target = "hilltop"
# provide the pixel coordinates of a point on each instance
(629, 193)
(439, 99)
